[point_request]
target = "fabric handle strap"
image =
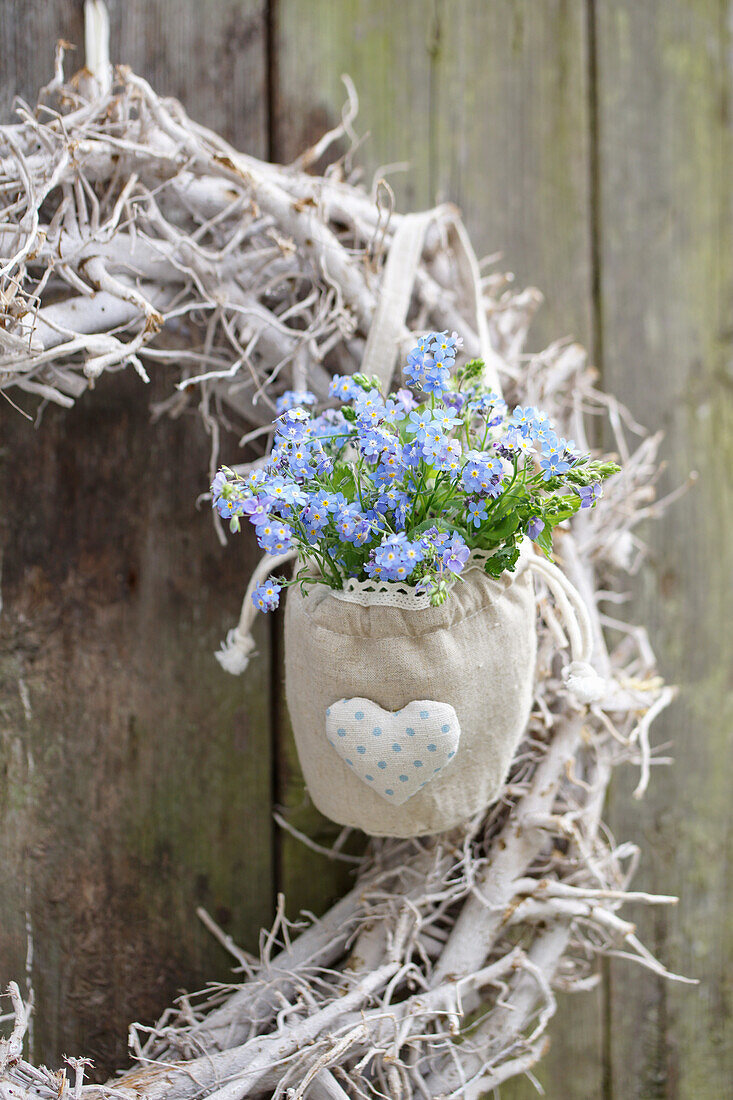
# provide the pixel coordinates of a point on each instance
(400, 270)
(388, 324)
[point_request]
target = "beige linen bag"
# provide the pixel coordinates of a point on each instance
(474, 656)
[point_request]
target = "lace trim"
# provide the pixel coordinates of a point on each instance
(371, 593)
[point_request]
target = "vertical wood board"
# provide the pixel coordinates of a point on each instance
(666, 301)
(136, 775)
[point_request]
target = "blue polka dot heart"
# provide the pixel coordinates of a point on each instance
(372, 742)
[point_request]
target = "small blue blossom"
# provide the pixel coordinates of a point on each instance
(480, 471)
(217, 485)
(525, 418)
(292, 399)
(535, 527)
(553, 465)
(406, 400)
(257, 509)
(419, 421)
(588, 494)
(434, 441)
(455, 554)
(266, 597)
(275, 538)
(476, 510)
(344, 387)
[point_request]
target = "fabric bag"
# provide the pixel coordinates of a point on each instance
(406, 720)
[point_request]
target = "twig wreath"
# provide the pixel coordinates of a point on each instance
(132, 236)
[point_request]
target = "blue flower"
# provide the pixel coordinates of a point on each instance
(434, 441)
(449, 457)
(369, 407)
(481, 471)
(518, 442)
(588, 494)
(445, 419)
(455, 554)
(535, 527)
(330, 502)
(406, 399)
(389, 472)
(282, 491)
(292, 399)
(476, 510)
(411, 454)
(220, 480)
(414, 367)
(419, 421)
(257, 509)
(275, 538)
(394, 411)
(314, 517)
(229, 506)
(344, 387)
(352, 525)
(525, 418)
(436, 378)
(454, 401)
(266, 597)
(373, 441)
(553, 465)
(441, 341)
(391, 558)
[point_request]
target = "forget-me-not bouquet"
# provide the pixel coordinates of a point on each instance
(404, 487)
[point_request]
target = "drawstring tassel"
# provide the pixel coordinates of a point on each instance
(236, 650)
(582, 681)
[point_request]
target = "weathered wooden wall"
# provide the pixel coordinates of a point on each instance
(590, 142)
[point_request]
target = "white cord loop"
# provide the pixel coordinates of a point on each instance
(581, 679)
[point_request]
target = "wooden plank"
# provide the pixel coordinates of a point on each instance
(509, 138)
(666, 281)
(211, 56)
(486, 102)
(489, 104)
(214, 65)
(29, 30)
(136, 774)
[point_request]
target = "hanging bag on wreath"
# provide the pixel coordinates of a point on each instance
(407, 715)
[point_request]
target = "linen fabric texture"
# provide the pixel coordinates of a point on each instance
(476, 653)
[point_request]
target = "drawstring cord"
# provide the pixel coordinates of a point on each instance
(581, 679)
(235, 651)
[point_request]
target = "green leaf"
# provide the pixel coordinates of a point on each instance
(504, 559)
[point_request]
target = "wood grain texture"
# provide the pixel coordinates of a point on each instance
(487, 104)
(212, 57)
(137, 775)
(116, 595)
(666, 303)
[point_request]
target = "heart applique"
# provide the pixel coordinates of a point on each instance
(394, 753)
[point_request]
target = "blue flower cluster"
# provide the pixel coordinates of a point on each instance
(403, 487)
